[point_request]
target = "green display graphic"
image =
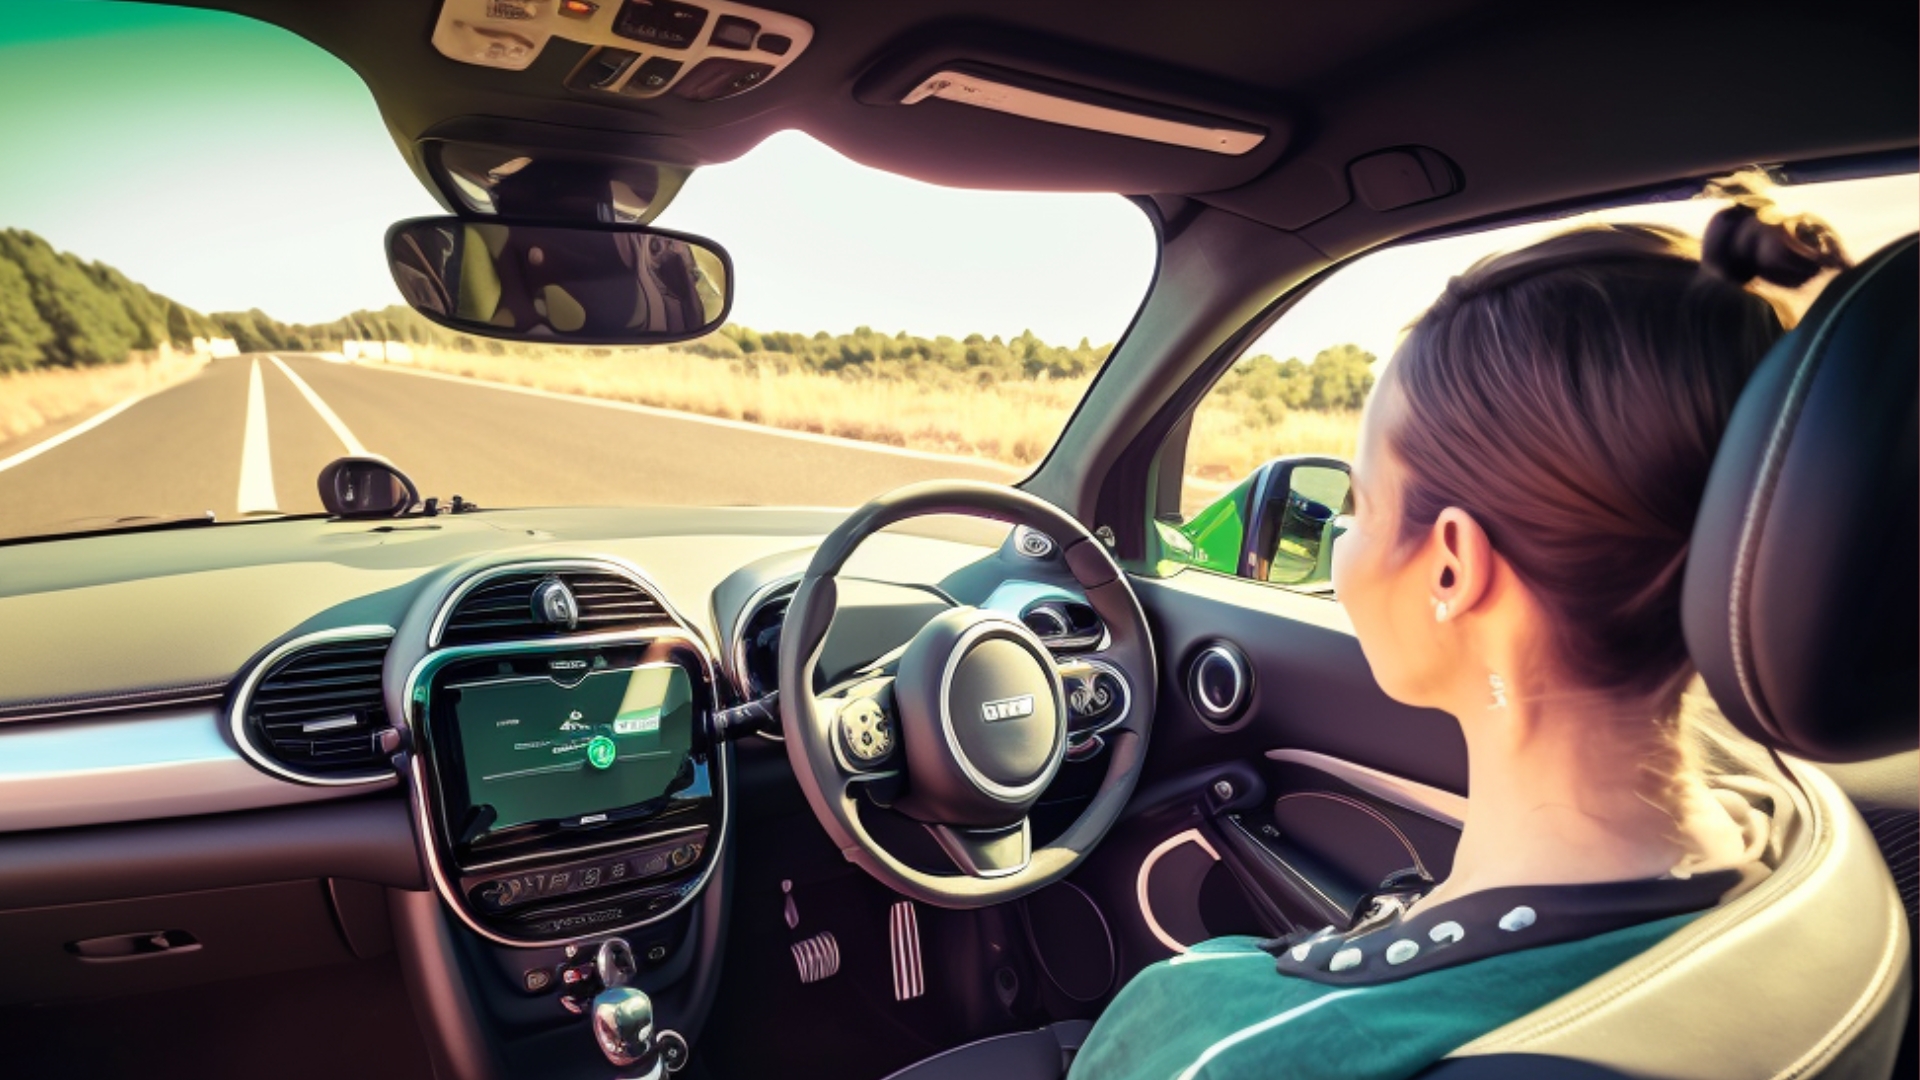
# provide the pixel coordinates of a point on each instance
(539, 751)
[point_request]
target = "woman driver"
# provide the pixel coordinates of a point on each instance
(1527, 480)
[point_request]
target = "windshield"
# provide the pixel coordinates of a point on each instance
(196, 315)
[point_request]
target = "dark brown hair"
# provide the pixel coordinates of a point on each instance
(1570, 397)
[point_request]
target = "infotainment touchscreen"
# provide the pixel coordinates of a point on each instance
(537, 751)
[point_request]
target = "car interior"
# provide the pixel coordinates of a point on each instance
(263, 810)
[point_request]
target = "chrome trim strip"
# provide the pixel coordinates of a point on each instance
(1191, 836)
(237, 712)
(413, 698)
(1442, 806)
(1206, 705)
(135, 767)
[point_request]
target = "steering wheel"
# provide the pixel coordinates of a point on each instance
(969, 725)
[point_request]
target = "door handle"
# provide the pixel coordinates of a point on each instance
(135, 946)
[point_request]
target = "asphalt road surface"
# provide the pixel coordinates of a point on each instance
(249, 435)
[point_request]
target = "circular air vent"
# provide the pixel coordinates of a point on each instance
(1219, 683)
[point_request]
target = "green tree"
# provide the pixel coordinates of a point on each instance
(1342, 377)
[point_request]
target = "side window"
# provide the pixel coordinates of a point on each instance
(1264, 484)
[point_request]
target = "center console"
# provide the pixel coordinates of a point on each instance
(570, 787)
(568, 794)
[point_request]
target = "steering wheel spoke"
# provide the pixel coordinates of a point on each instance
(987, 853)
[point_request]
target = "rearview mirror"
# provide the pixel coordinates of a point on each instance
(561, 284)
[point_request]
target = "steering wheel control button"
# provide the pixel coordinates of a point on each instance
(537, 979)
(866, 731)
(601, 752)
(1032, 543)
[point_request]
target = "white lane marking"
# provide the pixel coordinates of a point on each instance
(713, 421)
(73, 432)
(1260, 1028)
(256, 462)
(354, 446)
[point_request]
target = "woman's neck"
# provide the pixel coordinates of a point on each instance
(1558, 800)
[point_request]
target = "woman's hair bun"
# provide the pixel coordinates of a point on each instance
(1750, 239)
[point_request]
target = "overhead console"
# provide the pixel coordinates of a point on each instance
(563, 775)
(641, 49)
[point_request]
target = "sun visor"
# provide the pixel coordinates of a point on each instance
(1086, 120)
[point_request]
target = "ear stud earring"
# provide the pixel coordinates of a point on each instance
(1499, 687)
(1440, 611)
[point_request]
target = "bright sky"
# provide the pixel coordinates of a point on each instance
(230, 165)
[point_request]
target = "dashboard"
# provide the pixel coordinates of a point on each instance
(534, 691)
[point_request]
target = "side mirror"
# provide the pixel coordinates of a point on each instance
(366, 487)
(1294, 521)
(1277, 525)
(561, 284)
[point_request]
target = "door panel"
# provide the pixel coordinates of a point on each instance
(1292, 812)
(1311, 688)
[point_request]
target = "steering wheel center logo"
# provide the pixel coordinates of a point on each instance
(554, 605)
(1007, 708)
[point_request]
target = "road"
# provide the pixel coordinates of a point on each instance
(249, 434)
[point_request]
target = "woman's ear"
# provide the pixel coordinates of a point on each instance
(1462, 565)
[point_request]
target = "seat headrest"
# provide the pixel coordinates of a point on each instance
(1801, 604)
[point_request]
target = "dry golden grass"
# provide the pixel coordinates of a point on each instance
(1227, 444)
(1011, 422)
(32, 400)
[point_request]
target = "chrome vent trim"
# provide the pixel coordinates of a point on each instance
(497, 605)
(734, 657)
(315, 697)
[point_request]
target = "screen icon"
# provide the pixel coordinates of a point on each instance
(600, 751)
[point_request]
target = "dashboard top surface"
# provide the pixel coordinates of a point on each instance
(107, 619)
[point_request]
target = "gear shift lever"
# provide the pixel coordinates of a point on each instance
(623, 1026)
(623, 1016)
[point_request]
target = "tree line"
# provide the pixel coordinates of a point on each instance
(57, 310)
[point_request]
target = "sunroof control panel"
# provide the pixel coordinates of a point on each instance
(698, 50)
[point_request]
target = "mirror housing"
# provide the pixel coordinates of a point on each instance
(608, 284)
(1277, 525)
(366, 487)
